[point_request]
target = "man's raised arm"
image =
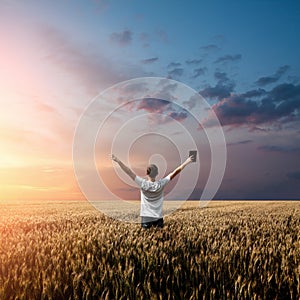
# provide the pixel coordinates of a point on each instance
(181, 167)
(127, 170)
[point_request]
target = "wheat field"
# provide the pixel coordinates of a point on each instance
(227, 250)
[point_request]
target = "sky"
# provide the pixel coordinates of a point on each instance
(242, 57)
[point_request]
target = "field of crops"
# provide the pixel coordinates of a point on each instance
(228, 250)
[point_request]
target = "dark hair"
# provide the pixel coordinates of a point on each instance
(152, 171)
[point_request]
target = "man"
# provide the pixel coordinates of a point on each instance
(151, 191)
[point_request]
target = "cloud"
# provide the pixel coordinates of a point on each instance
(257, 128)
(122, 38)
(244, 142)
(235, 110)
(153, 105)
(174, 65)
(228, 58)
(281, 104)
(94, 70)
(285, 91)
(161, 107)
(221, 77)
(210, 47)
(198, 72)
(257, 106)
(149, 60)
(221, 90)
(263, 81)
(177, 72)
(166, 90)
(178, 116)
(193, 61)
(191, 103)
(254, 93)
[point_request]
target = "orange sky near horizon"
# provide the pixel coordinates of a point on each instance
(35, 137)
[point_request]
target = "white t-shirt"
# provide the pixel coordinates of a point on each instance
(152, 196)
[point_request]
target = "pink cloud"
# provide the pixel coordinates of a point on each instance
(90, 67)
(153, 105)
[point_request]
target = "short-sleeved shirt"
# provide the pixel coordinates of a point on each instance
(152, 196)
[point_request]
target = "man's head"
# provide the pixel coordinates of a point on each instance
(152, 171)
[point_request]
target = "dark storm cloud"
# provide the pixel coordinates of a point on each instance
(235, 110)
(228, 58)
(219, 91)
(273, 78)
(149, 60)
(283, 101)
(123, 38)
(222, 89)
(254, 93)
(258, 106)
(285, 91)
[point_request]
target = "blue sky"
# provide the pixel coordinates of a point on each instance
(242, 56)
